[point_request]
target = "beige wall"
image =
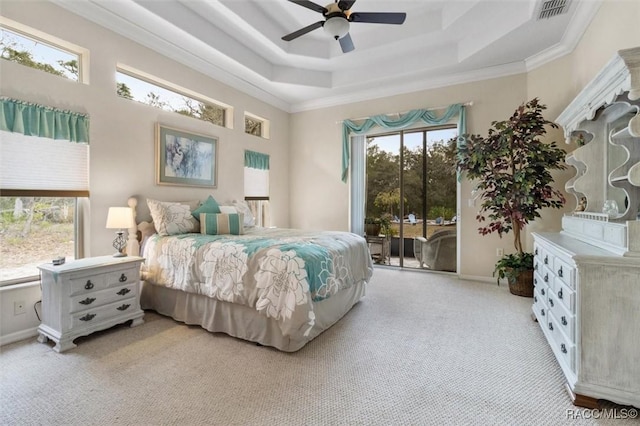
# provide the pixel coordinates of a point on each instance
(320, 200)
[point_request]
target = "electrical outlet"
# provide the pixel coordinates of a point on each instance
(499, 252)
(18, 308)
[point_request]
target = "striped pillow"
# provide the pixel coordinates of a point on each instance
(221, 223)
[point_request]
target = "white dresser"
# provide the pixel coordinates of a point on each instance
(587, 302)
(587, 277)
(88, 295)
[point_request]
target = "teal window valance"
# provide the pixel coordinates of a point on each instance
(46, 122)
(405, 120)
(256, 160)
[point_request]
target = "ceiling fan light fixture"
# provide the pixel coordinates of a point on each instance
(337, 27)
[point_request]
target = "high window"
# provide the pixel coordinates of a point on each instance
(256, 126)
(141, 87)
(35, 49)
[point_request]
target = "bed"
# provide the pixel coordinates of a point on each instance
(275, 287)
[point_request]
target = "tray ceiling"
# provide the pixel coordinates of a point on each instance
(442, 42)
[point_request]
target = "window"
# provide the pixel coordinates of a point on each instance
(256, 186)
(34, 230)
(138, 86)
(43, 180)
(256, 126)
(35, 49)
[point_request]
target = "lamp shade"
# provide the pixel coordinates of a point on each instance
(120, 218)
(337, 27)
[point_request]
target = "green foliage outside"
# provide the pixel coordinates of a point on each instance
(383, 181)
(10, 51)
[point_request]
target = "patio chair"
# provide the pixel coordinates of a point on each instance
(437, 253)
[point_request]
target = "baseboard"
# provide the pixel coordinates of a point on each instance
(18, 335)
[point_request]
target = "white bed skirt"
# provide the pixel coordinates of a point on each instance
(244, 322)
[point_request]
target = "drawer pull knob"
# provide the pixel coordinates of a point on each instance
(88, 317)
(535, 299)
(551, 326)
(535, 267)
(87, 301)
(560, 272)
(124, 307)
(542, 291)
(546, 260)
(88, 285)
(123, 292)
(546, 278)
(123, 278)
(542, 312)
(563, 348)
(560, 294)
(535, 281)
(551, 302)
(536, 251)
(564, 320)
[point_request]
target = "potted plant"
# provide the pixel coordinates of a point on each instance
(372, 226)
(513, 168)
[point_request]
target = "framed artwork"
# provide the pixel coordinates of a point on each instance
(185, 158)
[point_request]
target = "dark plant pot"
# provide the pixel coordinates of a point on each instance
(372, 229)
(523, 285)
(408, 247)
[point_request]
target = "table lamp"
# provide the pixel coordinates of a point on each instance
(120, 218)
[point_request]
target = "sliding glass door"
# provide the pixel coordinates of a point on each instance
(411, 186)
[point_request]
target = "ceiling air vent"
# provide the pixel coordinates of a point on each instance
(551, 8)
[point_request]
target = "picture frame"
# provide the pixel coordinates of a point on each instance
(185, 158)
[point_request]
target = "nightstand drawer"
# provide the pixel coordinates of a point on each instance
(99, 314)
(86, 283)
(121, 277)
(102, 297)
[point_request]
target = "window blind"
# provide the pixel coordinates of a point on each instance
(43, 151)
(256, 176)
(35, 166)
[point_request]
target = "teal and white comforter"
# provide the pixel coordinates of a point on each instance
(279, 272)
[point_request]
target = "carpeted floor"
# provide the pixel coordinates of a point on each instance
(420, 349)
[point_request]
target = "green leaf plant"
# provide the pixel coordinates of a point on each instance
(513, 169)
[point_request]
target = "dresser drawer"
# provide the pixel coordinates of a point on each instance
(565, 272)
(102, 313)
(122, 276)
(102, 297)
(564, 319)
(566, 296)
(561, 345)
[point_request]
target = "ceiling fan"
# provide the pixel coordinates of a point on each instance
(338, 15)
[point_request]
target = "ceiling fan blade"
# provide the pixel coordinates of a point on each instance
(378, 17)
(310, 5)
(303, 31)
(346, 43)
(346, 4)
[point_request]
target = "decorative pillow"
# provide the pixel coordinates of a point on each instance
(249, 219)
(221, 223)
(172, 218)
(209, 206)
(228, 209)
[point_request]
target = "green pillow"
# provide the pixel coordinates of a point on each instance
(221, 223)
(209, 206)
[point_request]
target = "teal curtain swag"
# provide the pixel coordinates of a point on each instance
(256, 160)
(402, 122)
(46, 122)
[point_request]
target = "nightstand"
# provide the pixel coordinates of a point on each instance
(379, 247)
(87, 295)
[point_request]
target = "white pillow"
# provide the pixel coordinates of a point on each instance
(228, 209)
(172, 218)
(242, 207)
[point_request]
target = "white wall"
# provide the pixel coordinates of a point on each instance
(122, 131)
(320, 199)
